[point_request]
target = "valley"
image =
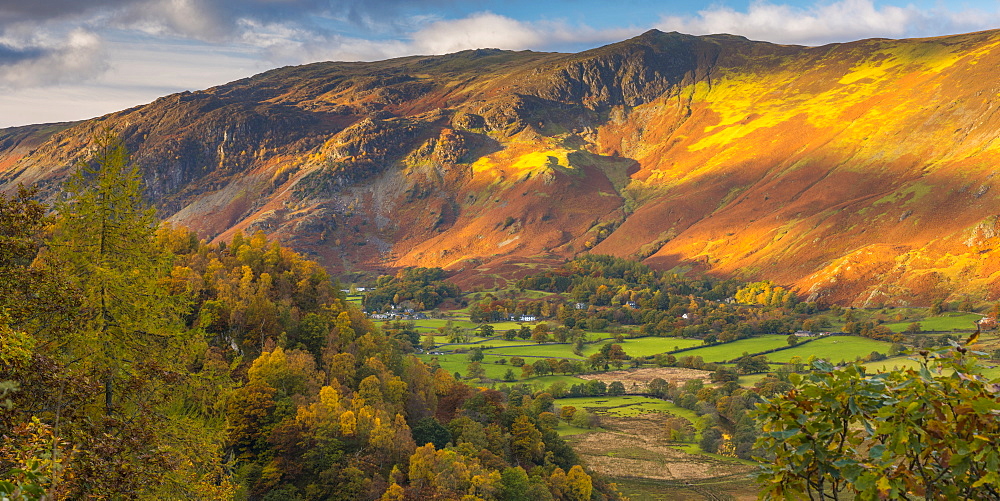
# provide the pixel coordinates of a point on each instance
(647, 436)
(657, 269)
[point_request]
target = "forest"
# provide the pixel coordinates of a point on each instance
(139, 362)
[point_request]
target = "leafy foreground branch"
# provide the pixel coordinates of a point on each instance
(929, 433)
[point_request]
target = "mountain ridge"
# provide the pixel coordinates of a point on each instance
(859, 173)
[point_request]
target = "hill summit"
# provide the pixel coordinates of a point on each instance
(860, 173)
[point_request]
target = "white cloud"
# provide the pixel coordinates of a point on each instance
(79, 55)
(488, 30)
(284, 45)
(841, 21)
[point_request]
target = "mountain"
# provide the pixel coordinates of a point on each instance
(858, 173)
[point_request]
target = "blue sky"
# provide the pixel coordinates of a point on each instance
(76, 59)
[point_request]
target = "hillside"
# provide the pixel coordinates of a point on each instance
(858, 173)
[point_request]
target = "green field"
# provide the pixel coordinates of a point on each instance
(627, 405)
(944, 322)
(434, 323)
(542, 350)
(646, 346)
(833, 349)
(749, 380)
(638, 347)
(498, 343)
(542, 382)
(735, 349)
(906, 362)
(460, 362)
(500, 327)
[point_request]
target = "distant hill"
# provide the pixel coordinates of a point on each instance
(860, 173)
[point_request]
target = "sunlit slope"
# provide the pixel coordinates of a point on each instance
(859, 173)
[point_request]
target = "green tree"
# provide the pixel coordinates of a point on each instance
(428, 342)
(616, 388)
(104, 236)
(750, 365)
(476, 354)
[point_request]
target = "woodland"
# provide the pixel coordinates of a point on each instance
(139, 362)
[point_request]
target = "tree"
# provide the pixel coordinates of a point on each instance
(428, 342)
(476, 354)
(486, 330)
(579, 485)
(429, 430)
(524, 332)
(616, 388)
(927, 433)
(26, 292)
(475, 370)
(750, 365)
(914, 328)
(526, 441)
(104, 235)
(724, 375)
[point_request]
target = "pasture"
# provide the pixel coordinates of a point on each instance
(460, 363)
(946, 322)
(735, 349)
(635, 347)
(833, 349)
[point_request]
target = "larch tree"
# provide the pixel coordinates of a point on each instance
(104, 239)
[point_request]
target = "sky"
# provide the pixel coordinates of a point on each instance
(64, 60)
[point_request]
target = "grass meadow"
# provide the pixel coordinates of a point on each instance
(735, 349)
(955, 321)
(833, 349)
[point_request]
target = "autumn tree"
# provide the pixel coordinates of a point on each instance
(104, 236)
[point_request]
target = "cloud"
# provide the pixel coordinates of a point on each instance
(47, 41)
(207, 20)
(43, 60)
(436, 36)
(488, 30)
(841, 21)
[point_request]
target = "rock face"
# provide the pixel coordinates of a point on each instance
(859, 173)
